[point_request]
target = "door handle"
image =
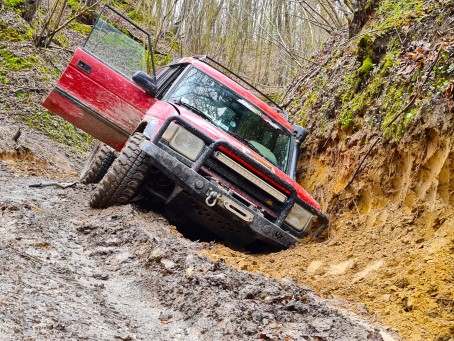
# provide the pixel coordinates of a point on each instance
(84, 66)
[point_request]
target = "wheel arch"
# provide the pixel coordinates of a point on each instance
(147, 126)
(141, 127)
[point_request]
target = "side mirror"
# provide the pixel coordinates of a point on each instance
(300, 133)
(146, 82)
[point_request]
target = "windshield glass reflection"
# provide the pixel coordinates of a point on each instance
(223, 107)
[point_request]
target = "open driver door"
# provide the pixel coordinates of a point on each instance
(96, 92)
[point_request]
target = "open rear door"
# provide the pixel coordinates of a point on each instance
(96, 92)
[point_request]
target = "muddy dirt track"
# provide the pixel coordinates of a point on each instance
(68, 272)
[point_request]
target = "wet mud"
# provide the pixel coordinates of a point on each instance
(123, 273)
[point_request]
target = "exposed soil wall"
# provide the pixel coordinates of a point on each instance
(390, 245)
(391, 241)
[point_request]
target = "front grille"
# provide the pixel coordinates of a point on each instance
(243, 184)
(248, 186)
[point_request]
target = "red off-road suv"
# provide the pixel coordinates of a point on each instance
(188, 136)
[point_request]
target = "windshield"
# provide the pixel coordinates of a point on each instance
(232, 113)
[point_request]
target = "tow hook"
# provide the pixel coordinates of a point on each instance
(212, 198)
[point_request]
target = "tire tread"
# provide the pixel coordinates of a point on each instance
(125, 178)
(97, 165)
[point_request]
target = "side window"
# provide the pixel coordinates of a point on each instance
(281, 147)
(120, 44)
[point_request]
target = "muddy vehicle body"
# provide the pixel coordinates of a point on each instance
(188, 136)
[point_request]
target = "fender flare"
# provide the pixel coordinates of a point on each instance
(147, 126)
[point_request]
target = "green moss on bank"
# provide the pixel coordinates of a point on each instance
(59, 130)
(374, 77)
(13, 3)
(355, 102)
(366, 68)
(394, 14)
(11, 62)
(81, 28)
(22, 60)
(11, 34)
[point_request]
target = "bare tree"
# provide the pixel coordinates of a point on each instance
(268, 40)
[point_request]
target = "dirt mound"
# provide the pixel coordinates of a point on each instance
(22, 161)
(47, 159)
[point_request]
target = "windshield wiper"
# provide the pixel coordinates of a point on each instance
(194, 109)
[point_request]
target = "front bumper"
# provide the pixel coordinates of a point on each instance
(197, 187)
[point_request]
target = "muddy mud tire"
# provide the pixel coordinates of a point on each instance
(125, 178)
(101, 158)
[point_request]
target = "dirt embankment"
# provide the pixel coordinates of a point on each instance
(390, 246)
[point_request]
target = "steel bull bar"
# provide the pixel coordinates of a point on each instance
(217, 197)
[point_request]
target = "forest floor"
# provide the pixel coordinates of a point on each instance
(71, 272)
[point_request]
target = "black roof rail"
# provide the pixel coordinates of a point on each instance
(204, 58)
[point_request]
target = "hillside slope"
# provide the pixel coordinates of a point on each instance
(382, 95)
(390, 244)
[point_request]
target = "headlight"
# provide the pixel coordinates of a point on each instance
(183, 141)
(299, 219)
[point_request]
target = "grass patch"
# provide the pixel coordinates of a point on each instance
(354, 102)
(366, 67)
(81, 28)
(60, 130)
(13, 3)
(11, 34)
(401, 13)
(10, 62)
(21, 94)
(75, 5)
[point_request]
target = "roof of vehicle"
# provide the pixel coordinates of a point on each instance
(238, 89)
